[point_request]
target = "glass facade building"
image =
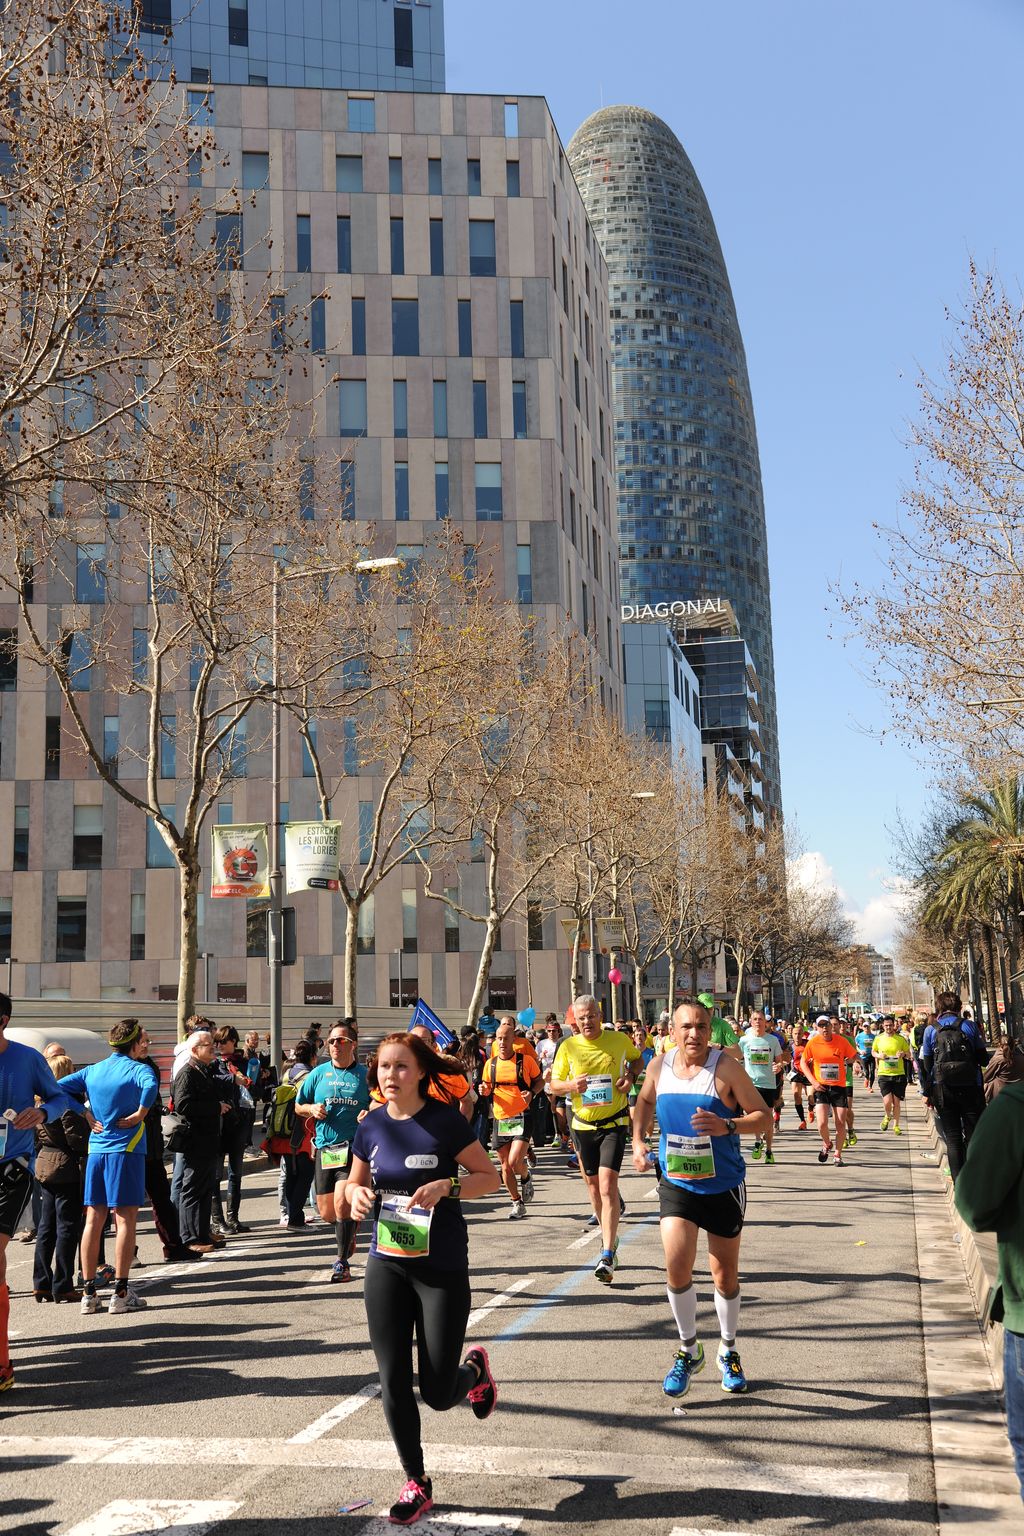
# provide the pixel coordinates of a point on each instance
(691, 508)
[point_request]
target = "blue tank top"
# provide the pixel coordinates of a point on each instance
(705, 1164)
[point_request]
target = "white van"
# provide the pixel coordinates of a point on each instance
(84, 1046)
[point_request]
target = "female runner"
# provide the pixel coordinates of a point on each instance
(406, 1158)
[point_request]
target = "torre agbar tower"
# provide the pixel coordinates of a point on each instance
(691, 508)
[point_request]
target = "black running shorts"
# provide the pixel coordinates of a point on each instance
(720, 1214)
(837, 1098)
(324, 1179)
(897, 1086)
(602, 1148)
(15, 1193)
(770, 1095)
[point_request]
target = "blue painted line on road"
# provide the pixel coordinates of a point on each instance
(566, 1287)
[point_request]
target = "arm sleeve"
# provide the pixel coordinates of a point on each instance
(560, 1065)
(305, 1093)
(147, 1086)
(632, 1052)
(994, 1165)
(74, 1087)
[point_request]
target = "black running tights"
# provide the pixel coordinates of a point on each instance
(401, 1299)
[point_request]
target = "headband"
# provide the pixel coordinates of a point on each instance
(128, 1039)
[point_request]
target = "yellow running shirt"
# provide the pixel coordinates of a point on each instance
(890, 1051)
(603, 1061)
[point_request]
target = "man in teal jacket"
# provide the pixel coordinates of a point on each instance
(990, 1198)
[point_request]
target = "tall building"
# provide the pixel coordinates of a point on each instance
(691, 509)
(464, 312)
(359, 45)
(662, 695)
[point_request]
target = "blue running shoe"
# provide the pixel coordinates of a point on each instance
(685, 1365)
(733, 1379)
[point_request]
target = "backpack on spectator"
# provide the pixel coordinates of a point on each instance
(954, 1064)
(281, 1119)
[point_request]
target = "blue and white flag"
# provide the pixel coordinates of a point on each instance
(424, 1014)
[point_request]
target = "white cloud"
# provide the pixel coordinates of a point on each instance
(875, 922)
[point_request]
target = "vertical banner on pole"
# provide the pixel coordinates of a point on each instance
(241, 861)
(312, 855)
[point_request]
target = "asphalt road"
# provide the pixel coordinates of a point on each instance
(243, 1399)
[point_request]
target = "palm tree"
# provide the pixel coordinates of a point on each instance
(977, 877)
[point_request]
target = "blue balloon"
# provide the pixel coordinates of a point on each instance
(526, 1017)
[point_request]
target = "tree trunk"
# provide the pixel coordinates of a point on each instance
(483, 971)
(574, 968)
(529, 975)
(614, 991)
(671, 999)
(694, 968)
(638, 988)
(189, 875)
(741, 969)
(989, 963)
(351, 947)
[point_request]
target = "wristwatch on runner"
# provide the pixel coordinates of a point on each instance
(455, 1193)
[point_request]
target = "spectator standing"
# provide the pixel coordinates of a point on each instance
(953, 1053)
(198, 1100)
(61, 1148)
(236, 1127)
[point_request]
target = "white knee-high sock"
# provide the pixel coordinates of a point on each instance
(684, 1310)
(728, 1309)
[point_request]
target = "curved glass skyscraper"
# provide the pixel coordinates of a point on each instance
(691, 508)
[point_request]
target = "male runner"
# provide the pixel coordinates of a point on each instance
(704, 1101)
(891, 1051)
(596, 1069)
(763, 1059)
(864, 1040)
(800, 1037)
(510, 1078)
(823, 1063)
(336, 1096)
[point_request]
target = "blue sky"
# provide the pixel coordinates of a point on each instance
(854, 157)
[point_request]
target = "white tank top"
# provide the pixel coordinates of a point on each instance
(703, 1083)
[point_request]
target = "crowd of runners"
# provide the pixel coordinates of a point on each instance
(402, 1142)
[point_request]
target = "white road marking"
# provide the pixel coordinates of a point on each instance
(340, 1411)
(131, 1517)
(480, 1313)
(172, 1272)
(862, 1484)
(581, 1242)
(456, 1520)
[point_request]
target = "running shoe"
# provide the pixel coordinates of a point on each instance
(289, 1226)
(527, 1188)
(756, 1150)
(823, 1155)
(884, 1123)
(593, 1221)
(6, 1377)
(838, 1160)
(776, 1116)
(605, 1267)
(415, 1499)
(341, 1271)
(802, 1126)
(484, 1396)
(851, 1140)
(531, 1157)
(518, 1211)
(687, 1363)
(131, 1301)
(622, 1206)
(105, 1274)
(733, 1379)
(572, 1161)
(897, 1130)
(90, 1304)
(769, 1157)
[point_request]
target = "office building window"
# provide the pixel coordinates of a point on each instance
(403, 39)
(524, 573)
(6, 924)
(111, 740)
(488, 493)
(395, 175)
(479, 408)
(362, 117)
(441, 490)
(517, 326)
(318, 326)
(228, 238)
(255, 171)
(303, 244)
(398, 246)
(405, 327)
(366, 808)
(365, 926)
(348, 173)
(440, 408)
(534, 925)
(238, 23)
(519, 408)
(78, 657)
(20, 860)
(400, 402)
(137, 934)
(409, 922)
(511, 120)
(347, 489)
(201, 108)
(402, 993)
(278, 334)
(87, 837)
(344, 243)
(501, 992)
(410, 555)
(71, 930)
(358, 327)
(437, 247)
(140, 655)
(482, 259)
(402, 493)
(168, 753)
(512, 178)
(256, 909)
(194, 169)
(307, 489)
(352, 407)
(465, 328)
(451, 921)
(434, 178)
(350, 748)
(308, 771)
(473, 178)
(9, 652)
(154, 15)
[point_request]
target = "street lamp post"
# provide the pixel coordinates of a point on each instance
(8, 962)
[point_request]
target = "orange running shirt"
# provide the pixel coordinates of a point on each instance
(826, 1060)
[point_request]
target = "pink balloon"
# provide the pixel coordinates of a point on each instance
(614, 975)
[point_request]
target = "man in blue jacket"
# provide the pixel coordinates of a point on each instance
(24, 1077)
(120, 1091)
(953, 1052)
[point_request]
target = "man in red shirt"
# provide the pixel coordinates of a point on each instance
(823, 1063)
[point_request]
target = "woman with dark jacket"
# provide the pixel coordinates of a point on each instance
(236, 1131)
(61, 1148)
(199, 1100)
